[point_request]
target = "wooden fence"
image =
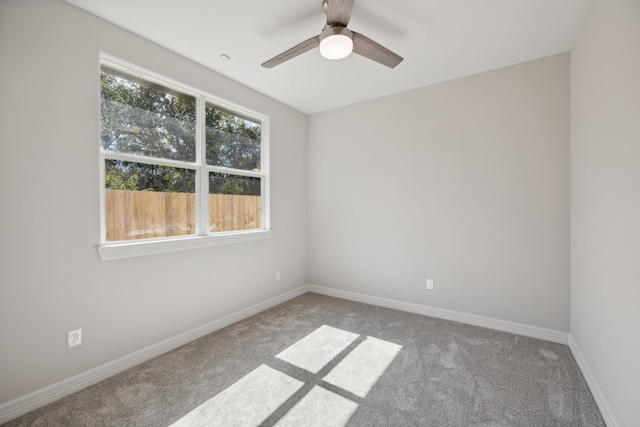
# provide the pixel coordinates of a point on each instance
(132, 215)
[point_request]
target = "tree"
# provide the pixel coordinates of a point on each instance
(144, 120)
(232, 142)
(141, 118)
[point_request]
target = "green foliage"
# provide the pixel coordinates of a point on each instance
(120, 175)
(222, 183)
(143, 120)
(232, 141)
(116, 179)
(140, 118)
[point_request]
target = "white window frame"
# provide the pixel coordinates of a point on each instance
(202, 238)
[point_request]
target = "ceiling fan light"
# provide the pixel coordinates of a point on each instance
(336, 46)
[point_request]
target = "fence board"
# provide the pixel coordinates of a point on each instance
(132, 215)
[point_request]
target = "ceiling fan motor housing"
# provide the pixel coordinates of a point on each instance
(336, 42)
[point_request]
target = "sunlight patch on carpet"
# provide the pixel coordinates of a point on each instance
(319, 408)
(265, 390)
(247, 402)
(318, 348)
(361, 368)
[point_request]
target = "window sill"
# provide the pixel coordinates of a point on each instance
(150, 247)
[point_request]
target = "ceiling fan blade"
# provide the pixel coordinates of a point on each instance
(299, 49)
(366, 47)
(339, 12)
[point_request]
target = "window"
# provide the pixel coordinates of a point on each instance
(179, 168)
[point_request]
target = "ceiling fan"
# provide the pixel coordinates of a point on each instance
(336, 41)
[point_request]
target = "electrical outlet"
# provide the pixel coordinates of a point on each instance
(277, 276)
(74, 338)
(430, 284)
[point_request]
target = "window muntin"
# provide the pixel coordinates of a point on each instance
(154, 170)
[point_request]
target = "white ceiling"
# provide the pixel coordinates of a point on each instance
(439, 39)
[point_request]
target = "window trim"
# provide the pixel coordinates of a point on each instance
(202, 238)
(172, 244)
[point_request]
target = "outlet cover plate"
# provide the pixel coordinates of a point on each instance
(74, 338)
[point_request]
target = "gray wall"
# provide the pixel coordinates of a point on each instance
(51, 279)
(465, 182)
(605, 201)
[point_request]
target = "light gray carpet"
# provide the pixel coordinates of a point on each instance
(317, 360)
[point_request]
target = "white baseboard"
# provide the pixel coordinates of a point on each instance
(598, 396)
(487, 322)
(49, 394)
(471, 319)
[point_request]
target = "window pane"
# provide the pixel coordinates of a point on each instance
(148, 201)
(235, 203)
(142, 118)
(232, 141)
